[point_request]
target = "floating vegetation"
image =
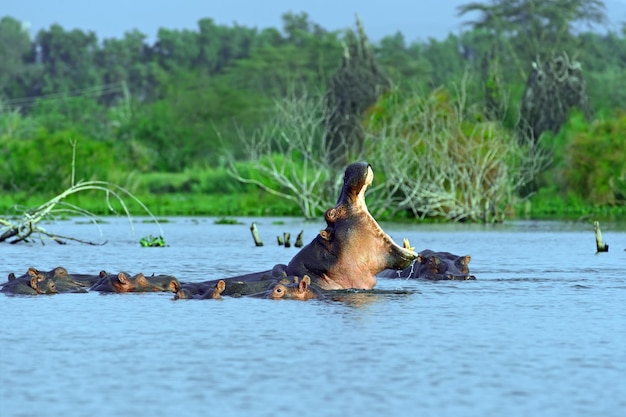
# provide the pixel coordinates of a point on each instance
(152, 241)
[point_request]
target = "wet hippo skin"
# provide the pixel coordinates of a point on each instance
(435, 266)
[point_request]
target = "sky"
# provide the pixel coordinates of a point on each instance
(418, 20)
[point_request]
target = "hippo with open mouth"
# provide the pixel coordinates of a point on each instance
(353, 248)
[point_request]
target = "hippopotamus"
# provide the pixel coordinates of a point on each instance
(190, 292)
(237, 286)
(57, 280)
(124, 282)
(161, 283)
(31, 283)
(298, 289)
(435, 266)
(353, 248)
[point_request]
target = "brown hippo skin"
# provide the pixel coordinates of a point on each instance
(435, 266)
(353, 248)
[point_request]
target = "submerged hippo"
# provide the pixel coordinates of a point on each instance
(31, 283)
(124, 282)
(353, 248)
(34, 282)
(435, 266)
(192, 292)
(298, 289)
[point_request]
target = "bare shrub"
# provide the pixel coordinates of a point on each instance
(440, 159)
(291, 155)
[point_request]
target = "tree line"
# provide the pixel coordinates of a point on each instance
(198, 98)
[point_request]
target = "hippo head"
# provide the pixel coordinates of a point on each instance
(299, 289)
(189, 292)
(444, 266)
(122, 282)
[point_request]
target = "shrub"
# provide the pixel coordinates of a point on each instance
(594, 160)
(44, 162)
(441, 159)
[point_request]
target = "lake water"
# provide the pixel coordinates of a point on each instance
(541, 332)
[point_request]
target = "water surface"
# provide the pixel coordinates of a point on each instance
(541, 332)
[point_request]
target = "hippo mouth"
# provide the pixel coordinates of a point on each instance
(357, 185)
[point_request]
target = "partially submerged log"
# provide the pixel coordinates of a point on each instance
(600, 245)
(299, 240)
(255, 235)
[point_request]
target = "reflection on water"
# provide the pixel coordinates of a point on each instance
(540, 332)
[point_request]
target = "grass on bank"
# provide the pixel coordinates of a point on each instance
(261, 204)
(171, 204)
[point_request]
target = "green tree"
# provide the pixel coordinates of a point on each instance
(68, 59)
(528, 29)
(176, 50)
(403, 64)
(126, 64)
(354, 87)
(17, 67)
(303, 58)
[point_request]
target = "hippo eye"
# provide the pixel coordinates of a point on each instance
(279, 289)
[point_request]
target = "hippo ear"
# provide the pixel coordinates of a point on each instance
(11, 276)
(121, 277)
(304, 283)
(33, 283)
(174, 286)
(220, 286)
(325, 234)
(331, 215)
(35, 273)
(141, 280)
(466, 259)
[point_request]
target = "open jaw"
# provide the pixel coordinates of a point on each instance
(405, 253)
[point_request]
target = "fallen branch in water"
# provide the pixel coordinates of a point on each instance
(27, 224)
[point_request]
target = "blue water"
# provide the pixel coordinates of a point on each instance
(541, 332)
